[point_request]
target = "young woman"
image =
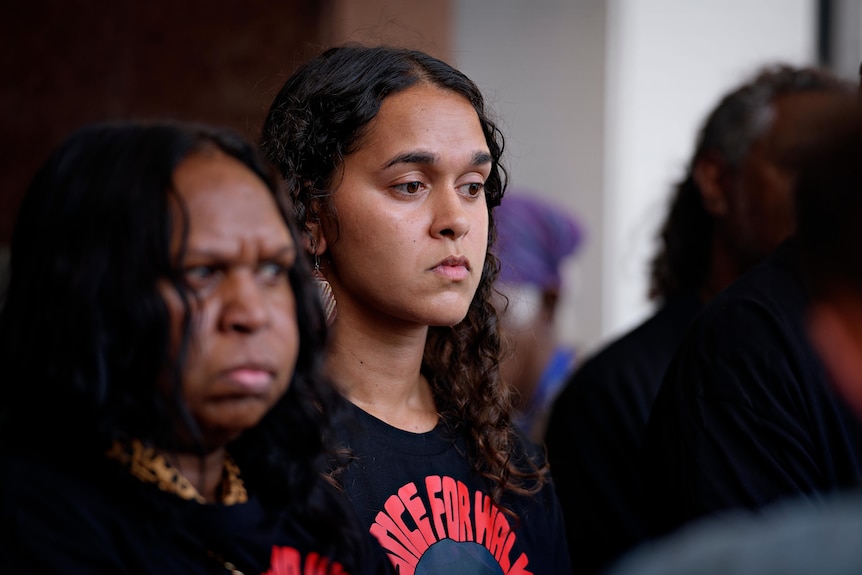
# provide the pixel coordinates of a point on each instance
(394, 167)
(162, 406)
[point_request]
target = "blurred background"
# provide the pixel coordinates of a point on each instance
(599, 100)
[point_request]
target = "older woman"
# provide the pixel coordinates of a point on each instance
(162, 405)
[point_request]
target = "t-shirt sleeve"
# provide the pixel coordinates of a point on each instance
(547, 530)
(562, 559)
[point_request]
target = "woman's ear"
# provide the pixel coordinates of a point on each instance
(314, 236)
(708, 175)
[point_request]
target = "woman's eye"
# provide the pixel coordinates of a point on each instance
(202, 278)
(197, 274)
(409, 188)
(473, 189)
(272, 271)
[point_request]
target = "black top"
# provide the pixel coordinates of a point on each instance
(93, 517)
(595, 432)
(418, 495)
(746, 414)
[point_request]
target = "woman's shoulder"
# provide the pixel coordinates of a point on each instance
(54, 516)
(28, 478)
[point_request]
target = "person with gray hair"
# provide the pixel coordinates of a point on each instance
(798, 535)
(746, 414)
(731, 209)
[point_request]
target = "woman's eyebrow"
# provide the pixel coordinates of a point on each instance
(412, 157)
(422, 157)
(288, 249)
(482, 158)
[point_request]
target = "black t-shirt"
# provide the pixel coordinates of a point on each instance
(418, 495)
(746, 414)
(595, 432)
(92, 518)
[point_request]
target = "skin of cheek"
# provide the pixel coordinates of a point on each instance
(373, 285)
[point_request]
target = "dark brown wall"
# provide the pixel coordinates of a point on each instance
(420, 24)
(64, 64)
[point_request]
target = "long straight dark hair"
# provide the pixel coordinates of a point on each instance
(84, 331)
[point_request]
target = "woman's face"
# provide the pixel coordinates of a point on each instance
(245, 340)
(412, 219)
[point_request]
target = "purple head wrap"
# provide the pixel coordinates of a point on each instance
(533, 238)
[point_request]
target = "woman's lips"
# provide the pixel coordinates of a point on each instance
(251, 380)
(453, 268)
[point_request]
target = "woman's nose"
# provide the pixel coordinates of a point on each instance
(243, 303)
(450, 217)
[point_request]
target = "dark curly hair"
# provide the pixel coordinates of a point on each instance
(84, 331)
(319, 117)
(741, 117)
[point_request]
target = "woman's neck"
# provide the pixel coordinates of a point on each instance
(205, 473)
(379, 371)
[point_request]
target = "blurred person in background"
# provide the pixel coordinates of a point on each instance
(535, 238)
(731, 209)
(803, 534)
(745, 414)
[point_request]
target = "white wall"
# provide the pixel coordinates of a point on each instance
(601, 101)
(668, 62)
(541, 65)
(846, 44)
